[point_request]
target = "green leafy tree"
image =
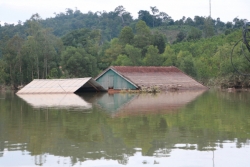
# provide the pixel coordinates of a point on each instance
(123, 60)
(154, 10)
(143, 37)
(169, 57)
(194, 34)
(159, 41)
(126, 36)
(13, 58)
(146, 17)
(2, 72)
(134, 54)
(76, 62)
(84, 38)
(208, 27)
(152, 57)
(113, 51)
(180, 37)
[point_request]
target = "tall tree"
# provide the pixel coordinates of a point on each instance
(146, 17)
(76, 62)
(152, 57)
(208, 27)
(134, 54)
(121, 11)
(194, 34)
(143, 37)
(13, 58)
(159, 41)
(126, 35)
(154, 10)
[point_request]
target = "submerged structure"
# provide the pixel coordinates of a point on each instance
(72, 85)
(137, 77)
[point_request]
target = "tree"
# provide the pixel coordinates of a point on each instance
(113, 51)
(152, 57)
(121, 11)
(76, 62)
(84, 38)
(2, 72)
(189, 22)
(146, 17)
(169, 57)
(208, 27)
(199, 20)
(159, 41)
(180, 37)
(154, 10)
(165, 18)
(122, 60)
(13, 58)
(194, 34)
(43, 50)
(143, 37)
(126, 35)
(134, 54)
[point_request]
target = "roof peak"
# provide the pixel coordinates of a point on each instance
(145, 69)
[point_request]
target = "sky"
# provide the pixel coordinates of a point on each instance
(11, 11)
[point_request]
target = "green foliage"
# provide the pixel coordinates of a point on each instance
(152, 57)
(84, 38)
(194, 34)
(187, 65)
(126, 36)
(122, 60)
(31, 49)
(169, 57)
(134, 54)
(2, 72)
(159, 41)
(209, 27)
(143, 35)
(113, 51)
(76, 62)
(180, 37)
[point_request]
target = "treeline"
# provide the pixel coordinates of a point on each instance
(74, 44)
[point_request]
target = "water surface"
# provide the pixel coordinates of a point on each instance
(169, 129)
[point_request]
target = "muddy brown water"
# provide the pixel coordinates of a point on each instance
(176, 129)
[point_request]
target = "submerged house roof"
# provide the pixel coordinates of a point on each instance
(61, 86)
(147, 76)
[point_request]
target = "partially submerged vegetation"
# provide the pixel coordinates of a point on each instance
(74, 44)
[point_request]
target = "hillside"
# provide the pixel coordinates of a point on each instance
(75, 44)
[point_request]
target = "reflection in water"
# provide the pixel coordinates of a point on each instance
(206, 129)
(134, 104)
(63, 101)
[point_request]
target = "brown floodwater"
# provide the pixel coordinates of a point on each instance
(177, 129)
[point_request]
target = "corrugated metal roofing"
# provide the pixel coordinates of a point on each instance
(164, 77)
(59, 85)
(59, 101)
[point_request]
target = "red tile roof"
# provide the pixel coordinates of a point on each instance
(164, 77)
(145, 69)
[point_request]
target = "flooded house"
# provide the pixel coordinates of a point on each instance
(138, 77)
(53, 86)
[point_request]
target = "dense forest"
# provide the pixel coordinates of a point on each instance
(76, 44)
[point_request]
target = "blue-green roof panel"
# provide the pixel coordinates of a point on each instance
(111, 79)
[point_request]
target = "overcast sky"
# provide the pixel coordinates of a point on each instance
(13, 10)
